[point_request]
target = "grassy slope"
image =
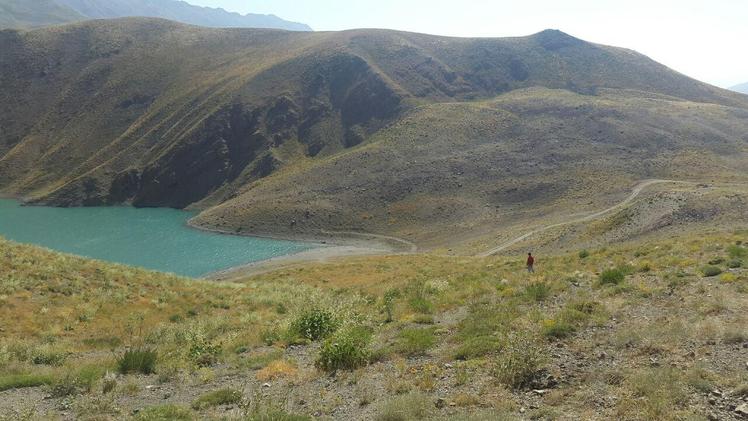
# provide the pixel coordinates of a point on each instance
(650, 347)
(197, 116)
(23, 14)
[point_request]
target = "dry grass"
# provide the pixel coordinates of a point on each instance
(655, 340)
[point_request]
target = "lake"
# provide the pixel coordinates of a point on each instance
(157, 239)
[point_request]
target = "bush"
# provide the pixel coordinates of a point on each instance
(413, 342)
(48, 357)
(141, 361)
(203, 352)
(314, 325)
(735, 264)
(737, 252)
(347, 349)
(584, 254)
(388, 301)
(710, 271)
(557, 329)
(538, 291)
(165, 413)
(519, 364)
(218, 398)
(612, 276)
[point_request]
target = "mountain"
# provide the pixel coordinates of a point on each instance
(434, 139)
(742, 88)
(37, 13)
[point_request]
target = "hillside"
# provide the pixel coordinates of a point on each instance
(651, 330)
(742, 88)
(39, 13)
(36, 13)
(429, 138)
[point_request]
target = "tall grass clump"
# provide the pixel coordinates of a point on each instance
(710, 271)
(347, 349)
(135, 361)
(614, 276)
(314, 324)
(520, 362)
(217, 398)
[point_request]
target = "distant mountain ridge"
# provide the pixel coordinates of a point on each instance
(38, 13)
(742, 88)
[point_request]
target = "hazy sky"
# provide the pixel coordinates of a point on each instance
(705, 39)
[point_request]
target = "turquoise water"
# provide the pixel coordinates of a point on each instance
(157, 239)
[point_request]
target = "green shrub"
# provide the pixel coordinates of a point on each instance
(418, 299)
(19, 381)
(388, 301)
(269, 336)
(421, 304)
(413, 342)
(735, 264)
(141, 361)
(165, 413)
(218, 398)
(710, 271)
(583, 254)
(48, 357)
(203, 352)
(520, 362)
(347, 349)
(558, 329)
(538, 291)
(314, 324)
(737, 252)
(613, 276)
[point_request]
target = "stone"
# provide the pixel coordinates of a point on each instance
(742, 410)
(266, 385)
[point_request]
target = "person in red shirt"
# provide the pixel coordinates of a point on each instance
(530, 263)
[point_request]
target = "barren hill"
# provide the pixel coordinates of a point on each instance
(425, 137)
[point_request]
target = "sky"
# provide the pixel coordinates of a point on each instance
(704, 39)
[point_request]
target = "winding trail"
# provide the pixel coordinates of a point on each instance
(634, 194)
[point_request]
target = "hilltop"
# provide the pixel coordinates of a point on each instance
(433, 139)
(39, 13)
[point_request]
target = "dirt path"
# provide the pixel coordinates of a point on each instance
(634, 194)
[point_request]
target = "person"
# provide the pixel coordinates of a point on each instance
(530, 263)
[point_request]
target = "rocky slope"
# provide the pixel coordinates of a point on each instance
(370, 130)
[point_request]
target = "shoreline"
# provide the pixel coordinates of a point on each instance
(333, 245)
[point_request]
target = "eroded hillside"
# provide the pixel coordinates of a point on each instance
(368, 130)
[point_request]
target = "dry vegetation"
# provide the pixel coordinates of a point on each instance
(647, 330)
